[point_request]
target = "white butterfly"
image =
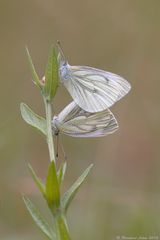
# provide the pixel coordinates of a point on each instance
(76, 122)
(94, 90)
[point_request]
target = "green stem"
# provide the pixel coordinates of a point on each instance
(50, 142)
(60, 220)
(61, 227)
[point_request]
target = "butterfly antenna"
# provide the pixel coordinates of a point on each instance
(60, 50)
(57, 147)
(63, 150)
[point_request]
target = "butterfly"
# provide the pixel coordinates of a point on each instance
(76, 122)
(94, 90)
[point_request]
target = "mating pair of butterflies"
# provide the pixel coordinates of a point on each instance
(93, 91)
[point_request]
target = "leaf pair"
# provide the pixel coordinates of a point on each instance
(53, 196)
(50, 85)
(50, 192)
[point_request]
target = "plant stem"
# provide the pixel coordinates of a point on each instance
(61, 227)
(49, 130)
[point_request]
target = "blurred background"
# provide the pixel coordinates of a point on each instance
(122, 195)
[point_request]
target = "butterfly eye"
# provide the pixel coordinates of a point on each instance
(56, 133)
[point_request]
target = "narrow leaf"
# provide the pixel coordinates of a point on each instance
(51, 75)
(34, 73)
(69, 195)
(38, 219)
(32, 118)
(37, 181)
(52, 187)
(61, 172)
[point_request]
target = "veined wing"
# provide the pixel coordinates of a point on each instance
(76, 122)
(94, 90)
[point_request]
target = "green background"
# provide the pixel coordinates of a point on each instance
(122, 194)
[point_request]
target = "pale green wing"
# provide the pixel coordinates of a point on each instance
(92, 89)
(76, 122)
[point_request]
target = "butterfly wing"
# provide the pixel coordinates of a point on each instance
(76, 122)
(94, 90)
